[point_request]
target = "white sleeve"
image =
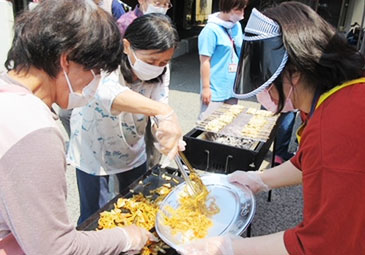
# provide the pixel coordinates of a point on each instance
(110, 87)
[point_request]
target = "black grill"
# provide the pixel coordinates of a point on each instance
(208, 155)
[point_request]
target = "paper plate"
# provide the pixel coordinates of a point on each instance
(237, 208)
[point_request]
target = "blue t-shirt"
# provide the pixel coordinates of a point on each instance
(214, 42)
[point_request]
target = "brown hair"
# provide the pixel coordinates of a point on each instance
(315, 49)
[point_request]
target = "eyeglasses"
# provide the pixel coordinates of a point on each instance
(159, 4)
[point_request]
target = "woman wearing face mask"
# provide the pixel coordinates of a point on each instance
(51, 63)
(314, 70)
(107, 135)
(219, 49)
(144, 7)
(116, 10)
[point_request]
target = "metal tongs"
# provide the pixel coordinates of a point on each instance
(178, 158)
(181, 157)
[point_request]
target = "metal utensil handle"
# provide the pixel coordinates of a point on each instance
(184, 175)
(186, 162)
(180, 167)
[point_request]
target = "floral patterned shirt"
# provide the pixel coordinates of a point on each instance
(102, 143)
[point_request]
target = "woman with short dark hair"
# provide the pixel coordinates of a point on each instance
(57, 53)
(107, 135)
(293, 59)
(219, 45)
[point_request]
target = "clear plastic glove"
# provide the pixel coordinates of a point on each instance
(168, 134)
(169, 157)
(135, 238)
(220, 245)
(252, 179)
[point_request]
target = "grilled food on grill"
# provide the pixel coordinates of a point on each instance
(260, 124)
(224, 119)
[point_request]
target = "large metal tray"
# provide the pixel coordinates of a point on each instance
(237, 208)
(152, 179)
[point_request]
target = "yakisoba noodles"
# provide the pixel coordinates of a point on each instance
(191, 218)
(137, 210)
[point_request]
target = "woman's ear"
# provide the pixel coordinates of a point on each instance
(292, 76)
(295, 78)
(64, 63)
(126, 46)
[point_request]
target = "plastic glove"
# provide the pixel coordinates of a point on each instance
(168, 134)
(167, 160)
(219, 245)
(252, 179)
(135, 238)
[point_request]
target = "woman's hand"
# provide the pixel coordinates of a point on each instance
(206, 96)
(220, 245)
(136, 238)
(169, 134)
(251, 179)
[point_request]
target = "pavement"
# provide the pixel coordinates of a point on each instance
(285, 208)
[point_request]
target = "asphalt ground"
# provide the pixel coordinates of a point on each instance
(285, 208)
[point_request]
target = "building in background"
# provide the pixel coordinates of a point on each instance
(190, 16)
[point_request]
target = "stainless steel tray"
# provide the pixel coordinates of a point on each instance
(237, 208)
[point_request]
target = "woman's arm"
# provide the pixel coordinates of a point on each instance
(206, 93)
(285, 174)
(272, 244)
(133, 102)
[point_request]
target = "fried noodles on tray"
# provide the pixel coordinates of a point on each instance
(191, 218)
(137, 210)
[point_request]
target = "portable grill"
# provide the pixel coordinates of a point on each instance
(223, 153)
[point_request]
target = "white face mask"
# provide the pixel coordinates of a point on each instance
(236, 17)
(145, 71)
(88, 92)
(155, 9)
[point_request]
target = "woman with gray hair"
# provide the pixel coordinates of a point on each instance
(57, 54)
